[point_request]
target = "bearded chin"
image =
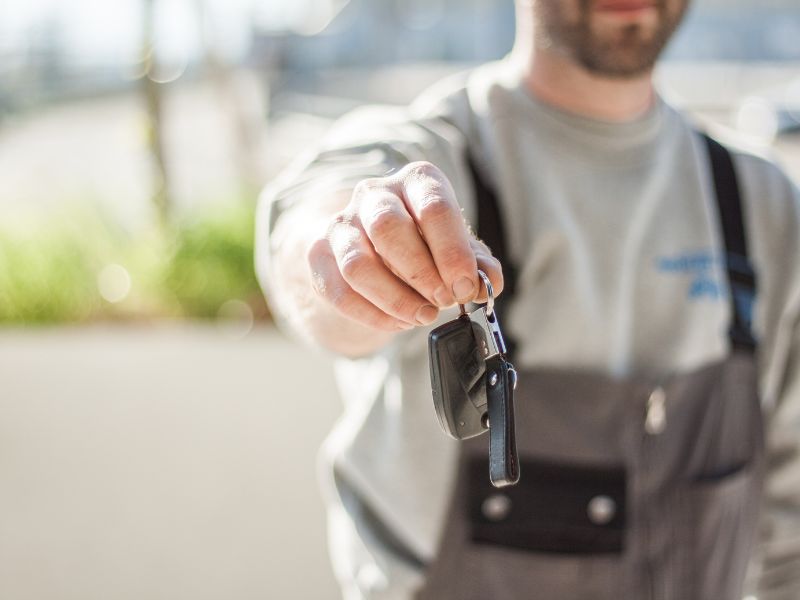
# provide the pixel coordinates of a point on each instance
(627, 56)
(625, 53)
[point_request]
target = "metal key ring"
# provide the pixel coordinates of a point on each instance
(489, 295)
(489, 292)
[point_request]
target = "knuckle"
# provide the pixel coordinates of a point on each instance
(338, 221)
(341, 218)
(421, 169)
(403, 306)
(434, 207)
(430, 176)
(419, 273)
(385, 223)
(354, 265)
(367, 186)
(424, 276)
(455, 258)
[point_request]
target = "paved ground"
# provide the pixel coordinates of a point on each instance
(161, 463)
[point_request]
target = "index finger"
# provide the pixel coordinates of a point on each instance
(431, 201)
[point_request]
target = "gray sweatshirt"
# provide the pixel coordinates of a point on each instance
(613, 229)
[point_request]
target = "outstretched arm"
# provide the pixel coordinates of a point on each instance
(352, 269)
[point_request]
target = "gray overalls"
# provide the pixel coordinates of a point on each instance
(628, 490)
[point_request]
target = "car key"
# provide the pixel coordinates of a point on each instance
(458, 370)
(473, 385)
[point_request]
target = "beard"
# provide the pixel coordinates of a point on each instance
(624, 50)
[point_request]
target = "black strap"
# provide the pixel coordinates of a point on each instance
(501, 379)
(741, 276)
(491, 231)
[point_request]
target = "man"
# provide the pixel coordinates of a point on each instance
(653, 295)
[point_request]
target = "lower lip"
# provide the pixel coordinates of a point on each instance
(624, 8)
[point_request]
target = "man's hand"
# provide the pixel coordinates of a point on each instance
(399, 251)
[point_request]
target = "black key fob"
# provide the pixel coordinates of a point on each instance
(457, 378)
(473, 385)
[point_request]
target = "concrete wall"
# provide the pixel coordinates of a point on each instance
(161, 463)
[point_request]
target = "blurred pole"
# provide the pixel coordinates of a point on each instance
(152, 93)
(241, 100)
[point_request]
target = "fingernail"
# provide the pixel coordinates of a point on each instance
(463, 289)
(427, 314)
(443, 298)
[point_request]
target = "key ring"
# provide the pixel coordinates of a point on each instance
(489, 295)
(489, 292)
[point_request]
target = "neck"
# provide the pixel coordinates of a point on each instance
(560, 82)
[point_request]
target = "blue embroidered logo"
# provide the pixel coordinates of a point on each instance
(700, 266)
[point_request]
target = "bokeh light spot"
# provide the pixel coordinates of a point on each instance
(756, 118)
(235, 319)
(114, 283)
(167, 72)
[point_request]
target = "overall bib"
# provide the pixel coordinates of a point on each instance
(628, 490)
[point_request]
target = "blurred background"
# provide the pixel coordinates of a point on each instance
(150, 416)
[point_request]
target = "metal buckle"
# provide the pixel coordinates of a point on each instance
(485, 317)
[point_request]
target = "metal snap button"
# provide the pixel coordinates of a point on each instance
(656, 416)
(496, 507)
(601, 510)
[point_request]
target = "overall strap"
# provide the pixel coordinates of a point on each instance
(491, 230)
(740, 273)
(741, 276)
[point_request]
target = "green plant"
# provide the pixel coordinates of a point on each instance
(211, 262)
(77, 266)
